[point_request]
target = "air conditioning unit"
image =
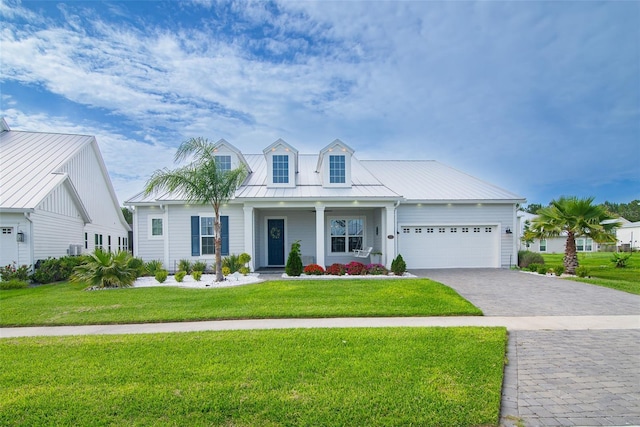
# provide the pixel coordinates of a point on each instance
(74, 250)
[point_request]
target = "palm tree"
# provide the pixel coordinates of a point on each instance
(105, 269)
(576, 218)
(201, 181)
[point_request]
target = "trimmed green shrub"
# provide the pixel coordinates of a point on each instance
(582, 271)
(226, 271)
(244, 258)
(244, 270)
(294, 262)
(13, 284)
(314, 270)
(527, 257)
(200, 266)
(398, 266)
(533, 266)
(197, 275)
(542, 269)
(620, 259)
(185, 265)
(138, 265)
(13, 272)
(179, 276)
(57, 269)
(106, 270)
(161, 275)
(558, 270)
(153, 267)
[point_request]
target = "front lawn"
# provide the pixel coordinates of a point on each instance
(602, 272)
(315, 377)
(69, 304)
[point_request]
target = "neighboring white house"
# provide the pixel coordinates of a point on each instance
(333, 203)
(628, 235)
(56, 197)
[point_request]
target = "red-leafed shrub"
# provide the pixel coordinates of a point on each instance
(336, 269)
(314, 269)
(377, 270)
(355, 268)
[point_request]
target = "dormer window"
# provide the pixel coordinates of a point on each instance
(282, 164)
(337, 169)
(223, 163)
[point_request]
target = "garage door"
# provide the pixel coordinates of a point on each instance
(450, 246)
(8, 246)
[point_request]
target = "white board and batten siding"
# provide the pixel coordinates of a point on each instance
(455, 236)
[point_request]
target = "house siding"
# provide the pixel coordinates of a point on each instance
(12, 251)
(53, 233)
(144, 247)
(501, 215)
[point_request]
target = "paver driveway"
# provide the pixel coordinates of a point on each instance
(559, 378)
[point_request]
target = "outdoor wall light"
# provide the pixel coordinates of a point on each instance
(20, 237)
(508, 230)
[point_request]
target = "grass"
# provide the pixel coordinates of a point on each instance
(602, 272)
(69, 304)
(315, 377)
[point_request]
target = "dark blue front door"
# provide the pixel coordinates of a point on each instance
(275, 241)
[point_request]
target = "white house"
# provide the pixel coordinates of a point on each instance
(333, 203)
(628, 235)
(56, 197)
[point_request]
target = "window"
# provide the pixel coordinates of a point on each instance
(223, 163)
(406, 230)
(543, 245)
(98, 240)
(280, 169)
(207, 241)
(454, 230)
(465, 229)
(430, 230)
(476, 229)
(418, 230)
(337, 169)
(156, 226)
(588, 245)
(487, 229)
(7, 230)
(109, 243)
(441, 230)
(86, 240)
(346, 234)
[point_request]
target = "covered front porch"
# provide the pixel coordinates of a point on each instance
(328, 232)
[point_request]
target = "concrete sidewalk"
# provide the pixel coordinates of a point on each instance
(530, 323)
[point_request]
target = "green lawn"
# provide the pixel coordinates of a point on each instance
(602, 272)
(69, 304)
(315, 377)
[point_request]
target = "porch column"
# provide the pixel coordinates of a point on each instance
(249, 237)
(390, 230)
(320, 235)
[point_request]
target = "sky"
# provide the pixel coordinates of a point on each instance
(540, 98)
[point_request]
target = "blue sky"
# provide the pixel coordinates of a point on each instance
(540, 98)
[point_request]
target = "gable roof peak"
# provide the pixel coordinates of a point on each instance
(226, 144)
(280, 143)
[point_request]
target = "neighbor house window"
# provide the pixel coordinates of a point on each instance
(109, 243)
(156, 225)
(280, 169)
(584, 245)
(346, 234)
(543, 245)
(207, 241)
(337, 169)
(223, 163)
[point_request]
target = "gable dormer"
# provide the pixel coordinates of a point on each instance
(282, 164)
(334, 164)
(229, 157)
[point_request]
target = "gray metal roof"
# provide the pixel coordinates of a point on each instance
(431, 181)
(30, 163)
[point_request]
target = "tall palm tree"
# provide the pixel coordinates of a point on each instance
(576, 218)
(201, 181)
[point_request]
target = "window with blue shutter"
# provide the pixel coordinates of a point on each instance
(201, 243)
(195, 236)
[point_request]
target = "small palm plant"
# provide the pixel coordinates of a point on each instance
(105, 270)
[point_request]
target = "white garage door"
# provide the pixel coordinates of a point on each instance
(450, 246)
(8, 246)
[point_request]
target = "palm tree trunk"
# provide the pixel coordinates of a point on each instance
(218, 244)
(570, 254)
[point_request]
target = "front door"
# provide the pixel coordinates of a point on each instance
(275, 241)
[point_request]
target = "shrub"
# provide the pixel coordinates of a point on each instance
(533, 267)
(244, 258)
(620, 259)
(232, 262)
(294, 262)
(244, 270)
(527, 257)
(582, 271)
(200, 266)
(153, 267)
(57, 269)
(398, 266)
(161, 275)
(105, 270)
(226, 271)
(314, 269)
(13, 272)
(336, 269)
(558, 270)
(13, 284)
(542, 269)
(179, 276)
(377, 269)
(138, 265)
(185, 265)
(355, 268)
(197, 275)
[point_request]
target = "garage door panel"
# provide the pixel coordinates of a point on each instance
(449, 246)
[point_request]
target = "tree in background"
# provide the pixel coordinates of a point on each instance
(574, 217)
(629, 211)
(202, 182)
(128, 215)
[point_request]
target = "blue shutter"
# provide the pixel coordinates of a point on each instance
(195, 236)
(224, 235)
